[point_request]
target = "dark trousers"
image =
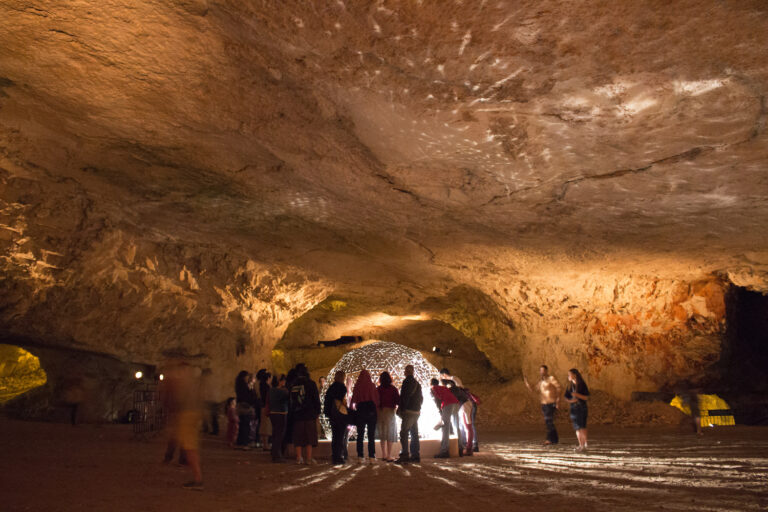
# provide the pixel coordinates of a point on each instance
(338, 439)
(278, 432)
(366, 417)
(244, 432)
(409, 427)
(548, 410)
(474, 428)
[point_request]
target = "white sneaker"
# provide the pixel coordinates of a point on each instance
(299, 461)
(310, 462)
(361, 460)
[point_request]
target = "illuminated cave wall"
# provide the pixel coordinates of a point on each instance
(20, 372)
(626, 334)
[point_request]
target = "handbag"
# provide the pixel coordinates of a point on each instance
(341, 407)
(245, 409)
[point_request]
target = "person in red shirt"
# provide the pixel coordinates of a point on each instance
(449, 406)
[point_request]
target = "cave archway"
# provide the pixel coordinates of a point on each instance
(744, 356)
(20, 372)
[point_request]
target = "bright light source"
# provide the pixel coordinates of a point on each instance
(138, 374)
(450, 351)
(161, 377)
(435, 349)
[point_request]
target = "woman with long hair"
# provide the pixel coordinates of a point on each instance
(265, 425)
(365, 401)
(389, 398)
(577, 393)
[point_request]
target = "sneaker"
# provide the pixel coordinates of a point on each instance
(299, 461)
(401, 460)
(193, 486)
(361, 460)
(416, 459)
(442, 456)
(310, 462)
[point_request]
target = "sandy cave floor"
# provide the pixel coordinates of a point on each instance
(54, 467)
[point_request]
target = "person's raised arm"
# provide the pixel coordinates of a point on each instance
(527, 384)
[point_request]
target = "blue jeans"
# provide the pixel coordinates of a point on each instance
(448, 413)
(458, 427)
(409, 425)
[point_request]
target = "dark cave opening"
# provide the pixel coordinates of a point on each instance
(744, 359)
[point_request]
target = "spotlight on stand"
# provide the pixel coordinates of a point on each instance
(342, 340)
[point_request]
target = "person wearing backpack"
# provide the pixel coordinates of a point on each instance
(335, 409)
(305, 405)
(409, 411)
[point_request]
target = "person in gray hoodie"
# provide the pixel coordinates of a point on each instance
(409, 411)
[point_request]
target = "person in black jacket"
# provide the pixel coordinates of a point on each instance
(245, 409)
(335, 408)
(304, 402)
(409, 411)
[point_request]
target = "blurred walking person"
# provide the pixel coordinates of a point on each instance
(182, 393)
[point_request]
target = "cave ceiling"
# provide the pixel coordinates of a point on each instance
(384, 147)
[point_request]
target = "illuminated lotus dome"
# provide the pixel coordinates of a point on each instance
(383, 356)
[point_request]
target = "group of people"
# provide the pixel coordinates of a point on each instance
(280, 412)
(284, 413)
(373, 409)
(277, 412)
(576, 394)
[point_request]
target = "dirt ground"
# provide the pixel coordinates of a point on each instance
(55, 467)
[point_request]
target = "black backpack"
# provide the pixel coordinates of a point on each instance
(460, 394)
(298, 399)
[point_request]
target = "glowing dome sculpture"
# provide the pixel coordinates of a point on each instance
(391, 357)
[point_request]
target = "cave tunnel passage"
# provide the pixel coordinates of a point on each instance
(744, 356)
(20, 371)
